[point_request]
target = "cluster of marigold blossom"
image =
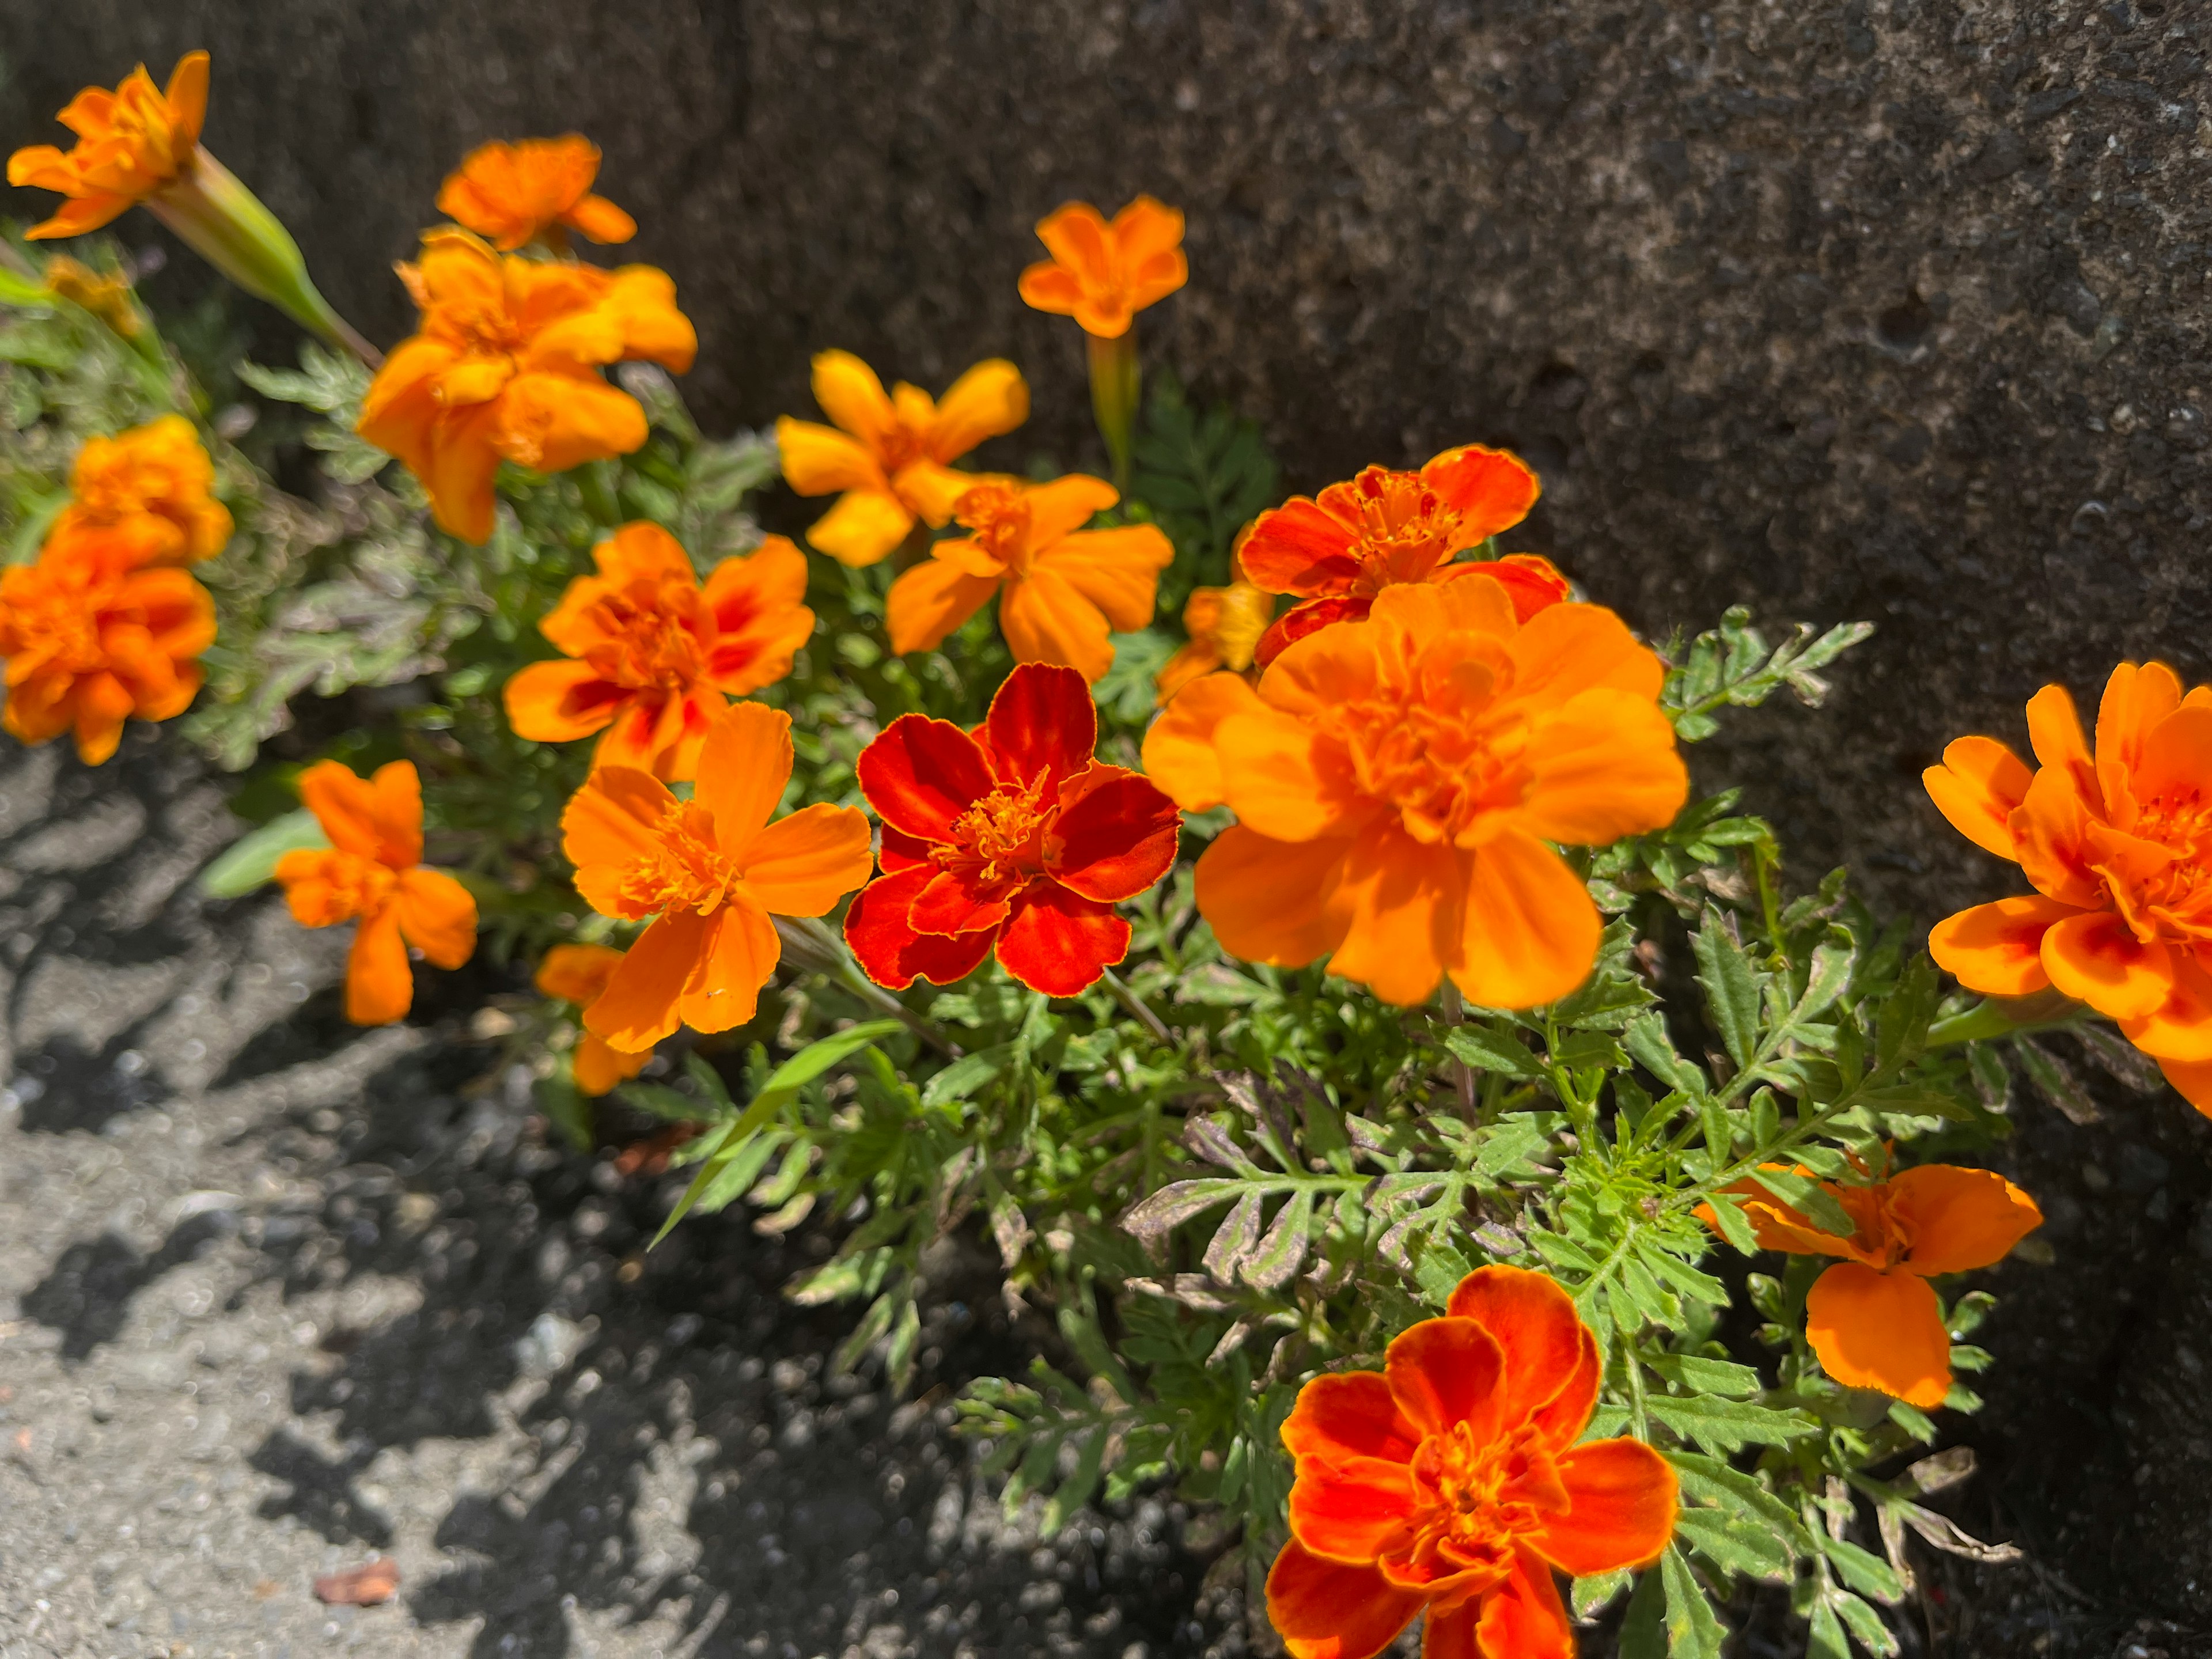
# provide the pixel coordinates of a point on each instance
(1404, 749)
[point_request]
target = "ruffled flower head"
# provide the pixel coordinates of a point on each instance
(506, 366)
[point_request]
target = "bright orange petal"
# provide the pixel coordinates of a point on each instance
(929, 601)
(1523, 1619)
(1180, 755)
(1328, 1610)
(1446, 1373)
(2054, 731)
(379, 985)
(1277, 776)
(1351, 1508)
(1532, 1320)
(614, 818)
(596, 1067)
(1045, 618)
(1066, 505)
(1978, 786)
(2094, 958)
(345, 805)
(1403, 903)
(1997, 948)
(801, 866)
(1530, 930)
(743, 771)
(1602, 766)
(437, 916)
(854, 399)
(866, 525)
(1349, 1414)
(1117, 570)
(1566, 648)
(1268, 901)
(743, 950)
(2135, 700)
(576, 972)
(560, 702)
(1958, 1220)
(638, 1007)
(2191, 1080)
(187, 96)
(1625, 1504)
(1881, 1331)
(990, 399)
(2182, 1029)
(1492, 488)
(820, 460)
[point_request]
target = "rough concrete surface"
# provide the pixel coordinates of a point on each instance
(1891, 309)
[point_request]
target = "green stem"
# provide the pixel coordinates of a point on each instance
(228, 227)
(2004, 1017)
(1462, 1073)
(815, 946)
(1115, 382)
(1137, 1005)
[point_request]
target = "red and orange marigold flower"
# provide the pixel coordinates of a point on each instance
(131, 142)
(91, 640)
(152, 487)
(2118, 844)
(372, 874)
(711, 871)
(506, 366)
(579, 974)
(888, 457)
(1062, 589)
(1873, 1318)
(1450, 1483)
(1014, 837)
(650, 653)
(1334, 552)
(532, 190)
(1102, 274)
(1396, 781)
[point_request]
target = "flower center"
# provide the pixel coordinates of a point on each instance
(1473, 1496)
(2172, 900)
(687, 869)
(1000, 519)
(900, 446)
(1000, 838)
(1406, 529)
(1444, 748)
(652, 636)
(359, 886)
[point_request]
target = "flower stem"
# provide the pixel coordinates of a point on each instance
(1115, 382)
(1137, 1005)
(227, 225)
(2004, 1017)
(813, 945)
(1462, 1073)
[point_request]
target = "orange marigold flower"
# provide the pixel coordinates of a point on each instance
(579, 974)
(1396, 781)
(1062, 589)
(1334, 552)
(711, 872)
(507, 365)
(2118, 844)
(131, 142)
(652, 653)
(1873, 1318)
(373, 872)
(1100, 273)
(1450, 1483)
(151, 486)
(533, 189)
(886, 457)
(1225, 625)
(91, 640)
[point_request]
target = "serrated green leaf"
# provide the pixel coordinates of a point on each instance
(1728, 1425)
(1693, 1632)
(1176, 1203)
(1736, 1542)
(1809, 1199)
(1702, 1376)
(1865, 1624)
(1710, 1480)
(1733, 1225)
(1278, 1256)
(1486, 1050)
(1731, 986)
(967, 1076)
(1864, 1571)
(1646, 1040)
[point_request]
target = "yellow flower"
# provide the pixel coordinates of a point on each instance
(889, 454)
